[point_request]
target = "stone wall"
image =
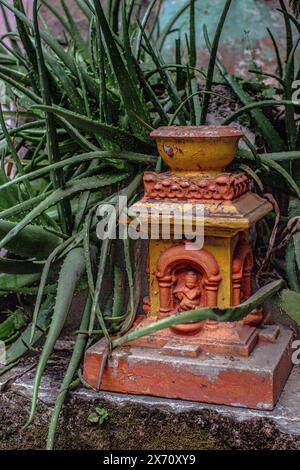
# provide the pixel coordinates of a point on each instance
(244, 36)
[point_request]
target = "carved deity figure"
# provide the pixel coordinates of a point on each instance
(188, 293)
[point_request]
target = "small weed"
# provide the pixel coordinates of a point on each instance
(99, 416)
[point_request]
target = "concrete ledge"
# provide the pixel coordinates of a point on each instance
(138, 422)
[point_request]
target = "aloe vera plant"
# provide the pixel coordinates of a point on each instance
(279, 161)
(89, 105)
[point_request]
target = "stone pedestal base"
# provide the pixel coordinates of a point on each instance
(168, 365)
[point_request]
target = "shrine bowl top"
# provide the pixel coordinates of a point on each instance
(197, 149)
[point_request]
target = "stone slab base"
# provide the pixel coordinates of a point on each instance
(253, 382)
(137, 421)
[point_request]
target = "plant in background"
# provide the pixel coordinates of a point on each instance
(274, 162)
(295, 5)
(81, 117)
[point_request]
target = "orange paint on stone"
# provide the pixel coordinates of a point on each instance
(193, 361)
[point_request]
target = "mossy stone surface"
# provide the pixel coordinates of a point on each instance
(136, 422)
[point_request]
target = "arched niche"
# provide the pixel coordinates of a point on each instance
(175, 270)
(242, 266)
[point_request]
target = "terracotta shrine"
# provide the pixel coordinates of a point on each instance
(244, 363)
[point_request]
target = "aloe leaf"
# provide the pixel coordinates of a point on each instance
(71, 271)
(27, 44)
(277, 53)
(58, 16)
(29, 125)
(128, 54)
(21, 345)
(8, 198)
(212, 61)
(76, 135)
(132, 312)
(74, 31)
(114, 15)
(71, 188)
(165, 76)
(291, 267)
(84, 8)
(14, 282)
(24, 90)
(118, 293)
(44, 277)
(33, 239)
(14, 58)
(65, 82)
(274, 141)
(254, 105)
(79, 347)
(266, 74)
(24, 206)
(180, 81)
(291, 127)
(93, 56)
(291, 18)
(16, 75)
(12, 266)
(207, 313)
(57, 177)
(132, 100)
(13, 151)
(66, 58)
(296, 240)
(127, 156)
(123, 139)
(11, 326)
(168, 28)
(280, 156)
(195, 104)
(151, 95)
(96, 290)
(289, 302)
(288, 29)
(10, 32)
(289, 179)
(253, 175)
(144, 21)
(182, 104)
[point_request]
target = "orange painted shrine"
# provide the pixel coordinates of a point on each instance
(244, 363)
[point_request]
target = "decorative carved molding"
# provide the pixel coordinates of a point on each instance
(223, 187)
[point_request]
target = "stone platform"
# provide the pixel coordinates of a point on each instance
(168, 365)
(140, 422)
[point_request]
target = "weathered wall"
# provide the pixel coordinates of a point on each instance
(244, 36)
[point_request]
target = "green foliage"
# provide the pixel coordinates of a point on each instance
(289, 302)
(12, 325)
(295, 5)
(89, 104)
(99, 416)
